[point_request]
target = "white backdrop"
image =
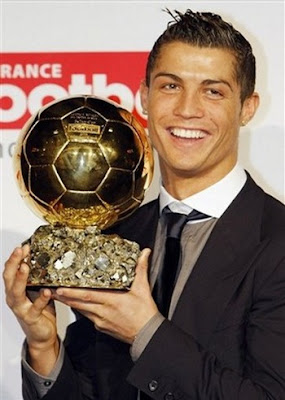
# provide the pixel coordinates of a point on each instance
(132, 26)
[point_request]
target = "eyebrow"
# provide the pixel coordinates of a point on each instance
(205, 82)
(217, 82)
(167, 75)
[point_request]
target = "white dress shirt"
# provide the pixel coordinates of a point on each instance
(213, 200)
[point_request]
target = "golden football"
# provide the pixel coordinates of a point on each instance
(82, 161)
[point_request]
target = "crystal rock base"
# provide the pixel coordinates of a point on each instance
(85, 258)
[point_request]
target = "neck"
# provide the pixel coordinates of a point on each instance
(181, 187)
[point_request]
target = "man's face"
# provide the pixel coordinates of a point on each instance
(194, 111)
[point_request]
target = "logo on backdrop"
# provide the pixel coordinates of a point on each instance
(31, 80)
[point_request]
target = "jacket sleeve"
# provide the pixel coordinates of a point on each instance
(42, 384)
(76, 379)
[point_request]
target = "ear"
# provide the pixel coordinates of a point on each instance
(249, 107)
(144, 95)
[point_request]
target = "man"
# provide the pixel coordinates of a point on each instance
(222, 335)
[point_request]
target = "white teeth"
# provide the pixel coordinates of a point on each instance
(187, 133)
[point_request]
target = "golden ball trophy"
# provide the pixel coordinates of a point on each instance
(82, 164)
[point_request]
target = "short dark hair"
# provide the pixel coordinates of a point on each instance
(205, 29)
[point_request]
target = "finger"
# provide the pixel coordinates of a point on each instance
(141, 278)
(80, 305)
(26, 250)
(12, 265)
(18, 289)
(98, 321)
(34, 294)
(82, 295)
(41, 303)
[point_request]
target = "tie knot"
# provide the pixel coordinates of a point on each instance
(176, 221)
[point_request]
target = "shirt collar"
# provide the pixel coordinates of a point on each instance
(213, 200)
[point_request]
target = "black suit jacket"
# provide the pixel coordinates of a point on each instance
(226, 340)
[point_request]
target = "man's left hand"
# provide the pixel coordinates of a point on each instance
(118, 313)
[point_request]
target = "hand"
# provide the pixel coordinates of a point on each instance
(37, 318)
(119, 314)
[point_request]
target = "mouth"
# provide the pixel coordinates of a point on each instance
(187, 133)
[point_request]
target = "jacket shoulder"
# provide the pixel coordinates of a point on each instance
(273, 223)
(140, 226)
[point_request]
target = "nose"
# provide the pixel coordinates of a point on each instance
(189, 105)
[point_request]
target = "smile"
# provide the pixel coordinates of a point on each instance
(187, 133)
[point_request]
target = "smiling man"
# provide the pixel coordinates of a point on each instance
(205, 317)
(195, 112)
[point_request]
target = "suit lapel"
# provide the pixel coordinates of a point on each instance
(224, 261)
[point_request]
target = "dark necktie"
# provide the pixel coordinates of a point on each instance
(165, 282)
(167, 276)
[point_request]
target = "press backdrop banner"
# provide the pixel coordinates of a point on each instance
(51, 49)
(30, 80)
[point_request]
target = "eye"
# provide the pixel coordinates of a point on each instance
(214, 93)
(170, 86)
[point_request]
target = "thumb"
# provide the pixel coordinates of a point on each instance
(141, 277)
(44, 300)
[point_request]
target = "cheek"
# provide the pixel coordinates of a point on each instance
(153, 137)
(159, 103)
(225, 118)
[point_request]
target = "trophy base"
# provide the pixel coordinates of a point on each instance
(81, 258)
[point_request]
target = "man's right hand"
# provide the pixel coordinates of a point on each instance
(37, 318)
